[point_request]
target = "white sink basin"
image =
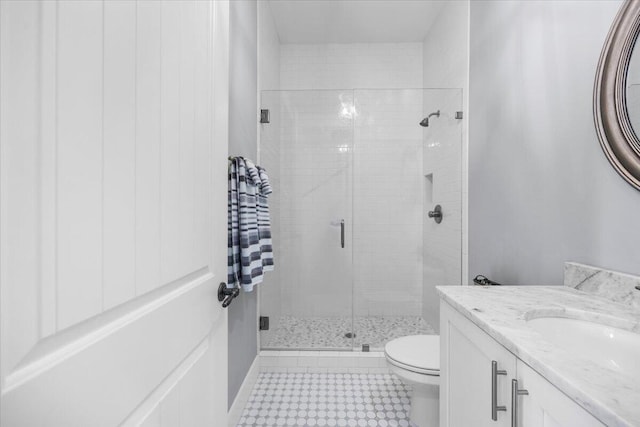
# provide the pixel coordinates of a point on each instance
(611, 347)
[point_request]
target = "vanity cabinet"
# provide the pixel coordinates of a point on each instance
(477, 386)
(467, 357)
(545, 405)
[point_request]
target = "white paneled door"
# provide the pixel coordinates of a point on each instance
(113, 140)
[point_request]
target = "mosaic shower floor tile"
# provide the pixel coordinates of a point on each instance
(327, 399)
(331, 332)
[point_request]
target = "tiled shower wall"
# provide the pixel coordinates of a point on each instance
(442, 180)
(387, 246)
(330, 142)
(361, 164)
(316, 179)
(315, 158)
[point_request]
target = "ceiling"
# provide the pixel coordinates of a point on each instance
(353, 21)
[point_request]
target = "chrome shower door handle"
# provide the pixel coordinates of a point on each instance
(342, 233)
(494, 390)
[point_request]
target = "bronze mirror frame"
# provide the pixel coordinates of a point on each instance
(619, 141)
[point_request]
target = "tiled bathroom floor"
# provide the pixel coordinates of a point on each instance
(327, 399)
(329, 332)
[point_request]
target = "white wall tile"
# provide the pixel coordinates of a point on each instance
(387, 221)
(387, 202)
(328, 361)
(337, 362)
(269, 361)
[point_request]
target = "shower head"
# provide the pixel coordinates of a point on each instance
(425, 122)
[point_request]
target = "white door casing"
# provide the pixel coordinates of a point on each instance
(113, 164)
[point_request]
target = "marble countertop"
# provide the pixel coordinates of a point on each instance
(502, 312)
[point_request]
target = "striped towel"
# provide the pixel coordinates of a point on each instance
(264, 179)
(264, 222)
(249, 246)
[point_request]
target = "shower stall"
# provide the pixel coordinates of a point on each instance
(355, 174)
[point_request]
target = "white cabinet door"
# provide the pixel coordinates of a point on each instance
(113, 213)
(545, 405)
(466, 360)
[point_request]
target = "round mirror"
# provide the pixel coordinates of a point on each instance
(633, 89)
(617, 94)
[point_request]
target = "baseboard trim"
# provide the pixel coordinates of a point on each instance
(323, 361)
(243, 394)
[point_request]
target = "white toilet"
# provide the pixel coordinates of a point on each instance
(415, 359)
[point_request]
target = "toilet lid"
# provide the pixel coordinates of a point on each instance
(421, 352)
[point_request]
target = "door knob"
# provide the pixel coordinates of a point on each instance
(226, 295)
(436, 214)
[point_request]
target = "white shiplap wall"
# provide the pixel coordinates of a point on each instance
(109, 175)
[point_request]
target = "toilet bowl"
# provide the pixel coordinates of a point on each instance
(415, 359)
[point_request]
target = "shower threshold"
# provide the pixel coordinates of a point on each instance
(329, 333)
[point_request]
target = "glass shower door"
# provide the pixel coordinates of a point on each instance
(307, 150)
(402, 170)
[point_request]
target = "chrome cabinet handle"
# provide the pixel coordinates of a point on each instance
(515, 392)
(342, 233)
(494, 390)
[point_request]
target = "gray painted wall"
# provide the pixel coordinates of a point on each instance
(541, 191)
(243, 138)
